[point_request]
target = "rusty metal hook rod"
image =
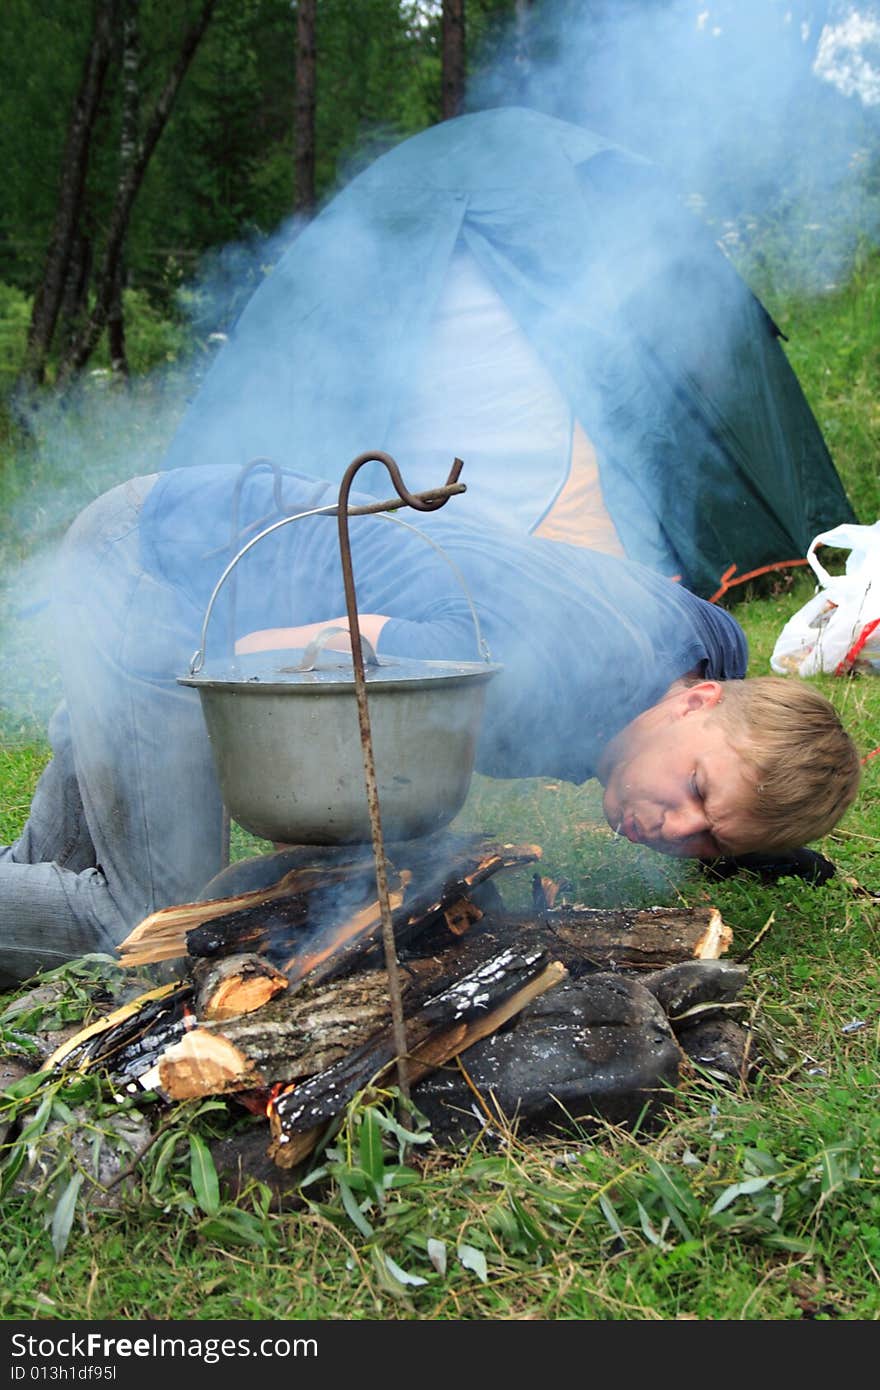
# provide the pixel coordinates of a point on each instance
(421, 504)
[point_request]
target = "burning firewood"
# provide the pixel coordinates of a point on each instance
(583, 939)
(285, 1001)
(320, 918)
(335, 943)
(461, 916)
(162, 935)
(304, 1031)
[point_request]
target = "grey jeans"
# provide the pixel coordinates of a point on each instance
(127, 816)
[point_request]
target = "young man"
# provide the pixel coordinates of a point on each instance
(608, 670)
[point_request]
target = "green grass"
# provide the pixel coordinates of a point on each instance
(752, 1202)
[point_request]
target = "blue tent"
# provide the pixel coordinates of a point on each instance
(523, 294)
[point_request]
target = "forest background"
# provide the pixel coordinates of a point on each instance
(158, 156)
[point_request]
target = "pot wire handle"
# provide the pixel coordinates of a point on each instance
(430, 502)
(197, 660)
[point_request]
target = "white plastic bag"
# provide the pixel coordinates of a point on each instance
(838, 630)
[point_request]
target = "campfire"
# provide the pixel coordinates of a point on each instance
(330, 970)
(550, 1016)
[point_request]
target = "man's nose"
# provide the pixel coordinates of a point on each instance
(684, 823)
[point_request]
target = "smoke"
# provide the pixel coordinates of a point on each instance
(764, 113)
(761, 115)
(71, 451)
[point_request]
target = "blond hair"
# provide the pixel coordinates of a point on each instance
(806, 766)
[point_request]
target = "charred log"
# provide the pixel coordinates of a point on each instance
(127, 1041)
(261, 927)
(290, 1146)
(592, 938)
(163, 934)
(322, 917)
(448, 1023)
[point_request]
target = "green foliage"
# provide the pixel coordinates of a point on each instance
(834, 349)
(223, 170)
(151, 340)
(14, 319)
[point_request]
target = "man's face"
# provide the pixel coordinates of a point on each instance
(673, 781)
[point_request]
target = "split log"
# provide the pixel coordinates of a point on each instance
(235, 985)
(169, 933)
(162, 935)
(294, 1035)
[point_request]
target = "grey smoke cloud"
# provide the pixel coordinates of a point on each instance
(762, 115)
(764, 112)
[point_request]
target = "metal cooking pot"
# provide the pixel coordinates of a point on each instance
(287, 743)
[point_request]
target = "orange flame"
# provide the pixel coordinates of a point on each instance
(278, 1090)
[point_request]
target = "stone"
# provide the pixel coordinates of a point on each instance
(597, 1048)
(102, 1149)
(692, 983)
(721, 1046)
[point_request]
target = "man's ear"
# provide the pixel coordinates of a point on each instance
(703, 695)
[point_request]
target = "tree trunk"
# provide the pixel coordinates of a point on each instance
(74, 168)
(127, 190)
(116, 328)
(128, 140)
(75, 298)
(304, 110)
(453, 59)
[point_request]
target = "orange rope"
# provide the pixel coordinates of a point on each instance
(727, 581)
(846, 662)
